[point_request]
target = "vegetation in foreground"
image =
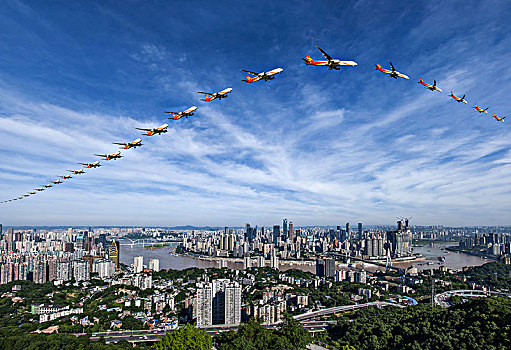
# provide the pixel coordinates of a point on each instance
(480, 323)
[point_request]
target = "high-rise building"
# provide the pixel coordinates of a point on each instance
(154, 264)
(114, 253)
(360, 230)
(250, 233)
(291, 232)
(284, 228)
(325, 267)
(204, 304)
(348, 232)
(102, 240)
(276, 233)
(81, 270)
(400, 240)
(138, 264)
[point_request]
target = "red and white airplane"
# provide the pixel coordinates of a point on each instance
(156, 131)
(431, 87)
(480, 110)
(178, 115)
(65, 177)
(56, 182)
(77, 172)
(459, 99)
(128, 145)
(210, 96)
(261, 76)
(48, 185)
(112, 156)
(330, 62)
(391, 73)
(91, 165)
(499, 119)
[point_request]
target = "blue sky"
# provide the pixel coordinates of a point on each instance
(315, 146)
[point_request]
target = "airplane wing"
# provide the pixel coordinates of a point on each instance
(142, 130)
(163, 112)
(118, 143)
(327, 56)
(392, 66)
(253, 73)
(205, 93)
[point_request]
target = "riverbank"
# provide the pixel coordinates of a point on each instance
(473, 253)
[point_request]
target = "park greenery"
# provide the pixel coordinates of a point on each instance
(254, 336)
(480, 323)
(494, 275)
(187, 337)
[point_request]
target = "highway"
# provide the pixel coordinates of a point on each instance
(338, 309)
(307, 321)
(442, 299)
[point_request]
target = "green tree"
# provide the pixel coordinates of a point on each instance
(295, 335)
(187, 337)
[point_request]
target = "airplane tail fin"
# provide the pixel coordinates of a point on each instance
(420, 80)
(378, 67)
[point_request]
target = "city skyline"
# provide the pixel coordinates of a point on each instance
(313, 145)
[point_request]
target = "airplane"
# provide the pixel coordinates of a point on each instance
(40, 189)
(56, 182)
(480, 110)
(21, 197)
(77, 172)
(65, 177)
(26, 195)
(263, 75)
(48, 186)
(431, 87)
(32, 192)
(330, 62)
(156, 131)
(178, 115)
(499, 119)
(114, 156)
(133, 144)
(91, 165)
(462, 99)
(391, 73)
(212, 96)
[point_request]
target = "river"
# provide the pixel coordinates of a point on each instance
(454, 261)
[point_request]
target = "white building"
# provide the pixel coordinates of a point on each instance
(218, 302)
(138, 264)
(154, 264)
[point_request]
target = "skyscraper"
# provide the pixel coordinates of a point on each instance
(359, 230)
(114, 253)
(284, 228)
(276, 233)
(138, 264)
(291, 232)
(154, 264)
(325, 267)
(250, 233)
(218, 302)
(348, 232)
